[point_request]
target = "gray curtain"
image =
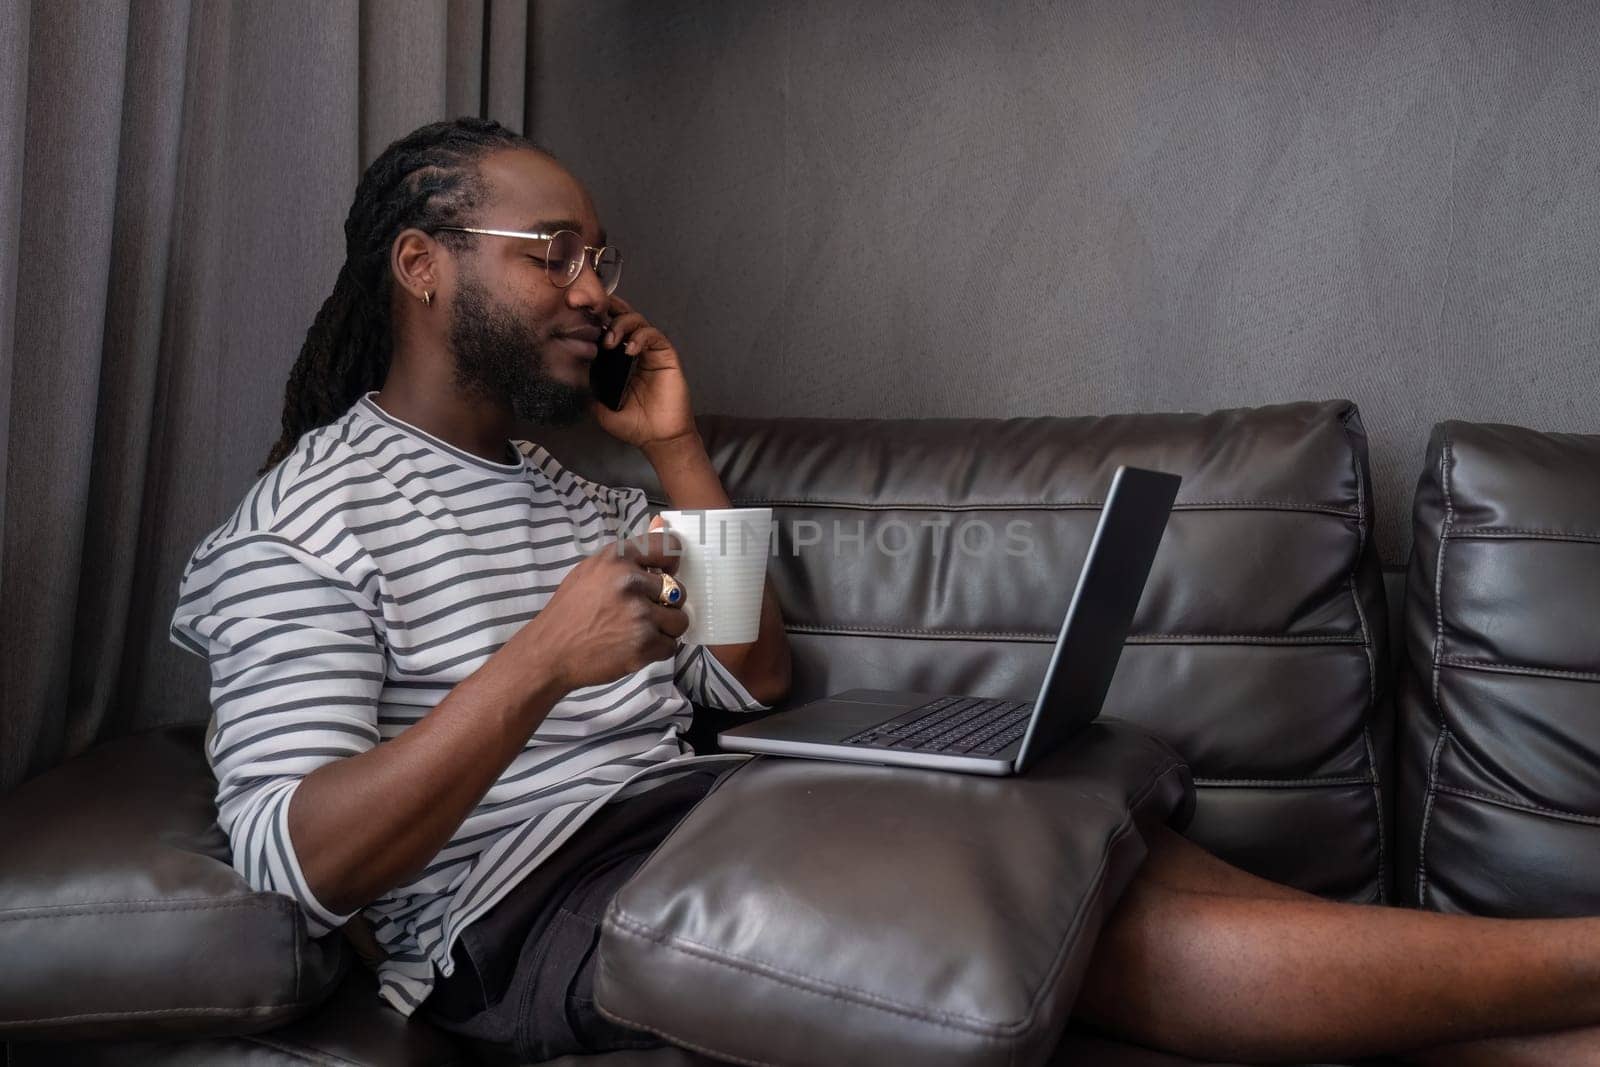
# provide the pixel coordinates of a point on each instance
(173, 182)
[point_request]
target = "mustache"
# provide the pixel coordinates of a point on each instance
(589, 329)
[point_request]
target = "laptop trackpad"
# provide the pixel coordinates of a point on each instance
(832, 719)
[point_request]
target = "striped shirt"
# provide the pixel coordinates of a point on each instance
(361, 579)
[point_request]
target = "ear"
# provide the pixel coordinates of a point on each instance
(418, 263)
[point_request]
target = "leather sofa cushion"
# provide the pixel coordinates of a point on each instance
(812, 912)
(1500, 809)
(1259, 651)
(353, 1028)
(121, 916)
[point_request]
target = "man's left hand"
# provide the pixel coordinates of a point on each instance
(655, 408)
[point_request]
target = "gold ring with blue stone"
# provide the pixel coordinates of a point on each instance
(671, 591)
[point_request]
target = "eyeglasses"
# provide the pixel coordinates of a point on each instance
(564, 255)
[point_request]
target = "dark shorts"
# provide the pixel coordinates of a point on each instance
(523, 987)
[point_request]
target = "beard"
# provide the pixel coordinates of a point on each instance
(499, 355)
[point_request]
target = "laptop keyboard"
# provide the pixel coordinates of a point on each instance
(957, 725)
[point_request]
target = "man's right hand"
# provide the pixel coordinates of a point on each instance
(604, 621)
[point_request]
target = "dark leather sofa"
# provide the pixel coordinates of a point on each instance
(1265, 653)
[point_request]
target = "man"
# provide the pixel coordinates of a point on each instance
(443, 706)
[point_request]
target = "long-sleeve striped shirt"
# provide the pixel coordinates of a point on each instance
(361, 579)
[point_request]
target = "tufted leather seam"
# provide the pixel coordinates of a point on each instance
(983, 1028)
(807, 984)
(321, 1056)
(825, 630)
(1432, 788)
(1438, 640)
(1019, 505)
(1285, 783)
(1490, 533)
(1372, 668)
(306, 1055)
(328, 1059)
(1243, 639)
(55, 911)
(91, 1016)
(1513, 668)
(717, 1054)
(1522, 805)
(156, 906)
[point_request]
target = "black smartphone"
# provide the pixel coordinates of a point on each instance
(609, 375)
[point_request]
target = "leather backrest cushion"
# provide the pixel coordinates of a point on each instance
(1499, 813)
(808, 912)
(120, 914)
(941, 554)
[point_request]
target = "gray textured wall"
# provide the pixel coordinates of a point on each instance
(962, 208)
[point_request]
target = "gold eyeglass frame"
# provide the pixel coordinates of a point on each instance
(591, 254)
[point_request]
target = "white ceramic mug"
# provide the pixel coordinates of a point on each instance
(723, 571)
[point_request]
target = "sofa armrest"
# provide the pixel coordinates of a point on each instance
(120, 914)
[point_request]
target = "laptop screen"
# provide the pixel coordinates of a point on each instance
(1102, 609)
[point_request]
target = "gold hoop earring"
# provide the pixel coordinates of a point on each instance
(427, 299)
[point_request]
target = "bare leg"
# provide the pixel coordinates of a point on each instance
(1206, 960)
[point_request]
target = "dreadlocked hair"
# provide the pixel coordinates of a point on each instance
(427, 179)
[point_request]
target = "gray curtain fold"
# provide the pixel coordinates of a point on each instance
(174, 177)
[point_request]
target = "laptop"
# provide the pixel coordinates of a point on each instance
(978, 735)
